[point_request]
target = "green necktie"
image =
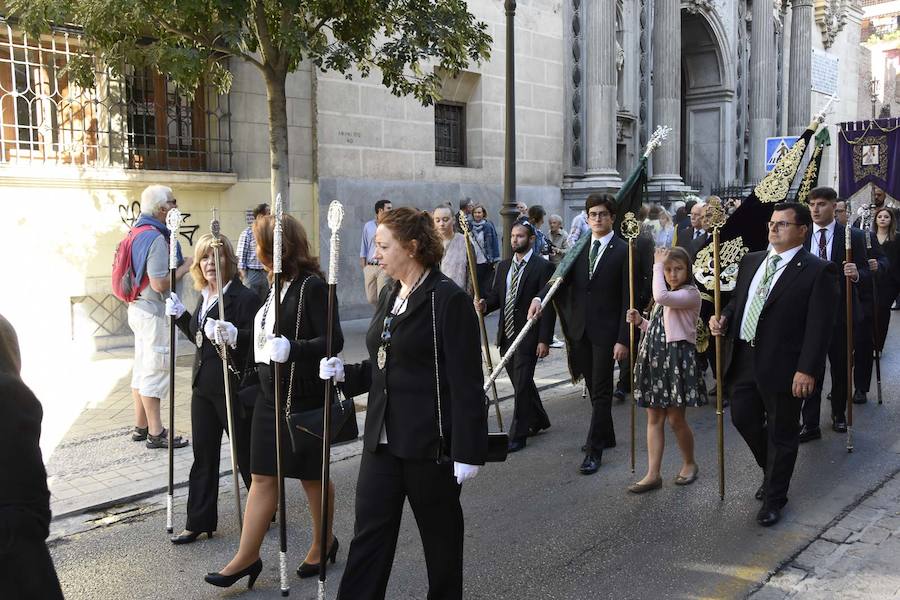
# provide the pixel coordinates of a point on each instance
(595, 252)
(748, 331)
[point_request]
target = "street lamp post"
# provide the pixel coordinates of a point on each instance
(873, 94)
(508, 210)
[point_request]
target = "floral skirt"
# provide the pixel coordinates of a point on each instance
(666, 373)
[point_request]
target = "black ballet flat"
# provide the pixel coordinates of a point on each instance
(311, 570)
(189, 538)
(219, 580)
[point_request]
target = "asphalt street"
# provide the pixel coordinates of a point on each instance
(535, 527)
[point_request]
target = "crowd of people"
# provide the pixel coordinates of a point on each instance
(426, 426)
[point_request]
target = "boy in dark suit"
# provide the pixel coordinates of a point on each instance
(517, 281)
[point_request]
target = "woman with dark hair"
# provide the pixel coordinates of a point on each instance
(426, 425)
(486, 247)
(26, 569)
(888, 280)
(298, 345)
(209, 416)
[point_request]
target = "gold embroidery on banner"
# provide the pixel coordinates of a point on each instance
(879, 169)
(774, 187)
(730, 254)
(702, 335)
(810, 177)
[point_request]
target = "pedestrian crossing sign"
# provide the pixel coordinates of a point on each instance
(776, 147)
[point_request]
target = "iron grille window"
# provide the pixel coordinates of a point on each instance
(450, 134)
(140, 121)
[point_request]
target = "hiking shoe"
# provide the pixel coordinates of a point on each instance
(162, 440)
(139, 434)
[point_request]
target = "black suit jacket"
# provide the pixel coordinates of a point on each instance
(594, 306)
(643, 271)
(241, 305)
(403, 396)
(795, 324)
(889, 276)
(309, 348)
(838, 252)
(535, 276)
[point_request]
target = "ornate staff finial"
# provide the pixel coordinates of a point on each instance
(335, 218)
(276, 236)
(715, 214)
(463, 222)
(656, 140)
(214, 227)
(173, 222)
(630, 226)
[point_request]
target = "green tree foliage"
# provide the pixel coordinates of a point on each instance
(407, 42)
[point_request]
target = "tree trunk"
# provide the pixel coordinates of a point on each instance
(278, 136)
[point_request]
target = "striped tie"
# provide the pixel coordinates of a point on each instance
(509, 308)
(748, 331)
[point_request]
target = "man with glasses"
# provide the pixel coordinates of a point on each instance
(778, 319)
(826, 240)
(591, 303)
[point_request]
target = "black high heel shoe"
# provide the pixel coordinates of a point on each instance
(310, 570)
(188, 538)
(219, 580)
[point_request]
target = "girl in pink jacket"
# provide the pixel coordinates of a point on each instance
(666, 374)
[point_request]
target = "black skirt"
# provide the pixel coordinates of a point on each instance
(306, 464)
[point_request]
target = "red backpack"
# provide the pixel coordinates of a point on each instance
(123, 283)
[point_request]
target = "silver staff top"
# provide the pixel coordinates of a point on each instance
(276, 237)
(173, 222)
(335, 218)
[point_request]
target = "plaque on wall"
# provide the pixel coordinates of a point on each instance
(824, 72)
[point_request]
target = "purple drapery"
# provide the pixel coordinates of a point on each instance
(869, 152)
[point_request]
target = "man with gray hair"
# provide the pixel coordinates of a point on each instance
(147, 316)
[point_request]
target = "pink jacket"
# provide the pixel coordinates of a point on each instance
(681, 308)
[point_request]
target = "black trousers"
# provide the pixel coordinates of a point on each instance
(208, 421)
(769, 424)
(26, 569)
(529, 411)
(863, 351)
(884, 323)
(837, 359)
(384, 482)
(596, 362)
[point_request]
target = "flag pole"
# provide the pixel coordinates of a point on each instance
(630, 231)
(716, 216)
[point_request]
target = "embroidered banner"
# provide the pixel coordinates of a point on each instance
(869, 152)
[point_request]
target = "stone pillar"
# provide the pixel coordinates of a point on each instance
(762, 85)
(667, 90)
(600, 93)
(800, 73)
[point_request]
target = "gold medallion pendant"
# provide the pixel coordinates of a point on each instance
(382, 357)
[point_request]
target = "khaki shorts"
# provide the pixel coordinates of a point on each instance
(150, 373)
(375, 279)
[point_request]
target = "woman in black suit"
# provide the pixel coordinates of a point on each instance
(208, 412)
(889, 280)
(26, 570)
(304, 291)
(426, 429)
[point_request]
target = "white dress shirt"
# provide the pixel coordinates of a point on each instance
(760, 274)
(512, 266)
(604, 243)
(829, 239)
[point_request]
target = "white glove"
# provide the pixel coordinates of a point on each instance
(278, 348)
(331, 368)
(174, 307)
(462, 471)
(226, 333)
(209, 329)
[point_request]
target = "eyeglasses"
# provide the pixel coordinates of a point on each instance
(781, 224)
(598, 214)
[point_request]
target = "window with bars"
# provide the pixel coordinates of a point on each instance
(139, 121)
(450, 134)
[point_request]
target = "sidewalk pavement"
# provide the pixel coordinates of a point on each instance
(96, 465)
(855, 557)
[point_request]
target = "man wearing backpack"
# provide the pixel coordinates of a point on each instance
(147, 315)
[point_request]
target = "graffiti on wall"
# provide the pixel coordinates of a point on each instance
(130, 214)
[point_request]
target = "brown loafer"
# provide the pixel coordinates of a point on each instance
(680, 480)
(640, 488)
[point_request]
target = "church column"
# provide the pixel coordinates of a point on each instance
(667, 89)
(800, 74)
(762, 85)
(600, 92)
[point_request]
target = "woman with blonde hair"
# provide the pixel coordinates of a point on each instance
(298, 345)
(209, 418)
(455, 263)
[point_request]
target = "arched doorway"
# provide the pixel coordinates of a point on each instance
(707, 113)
